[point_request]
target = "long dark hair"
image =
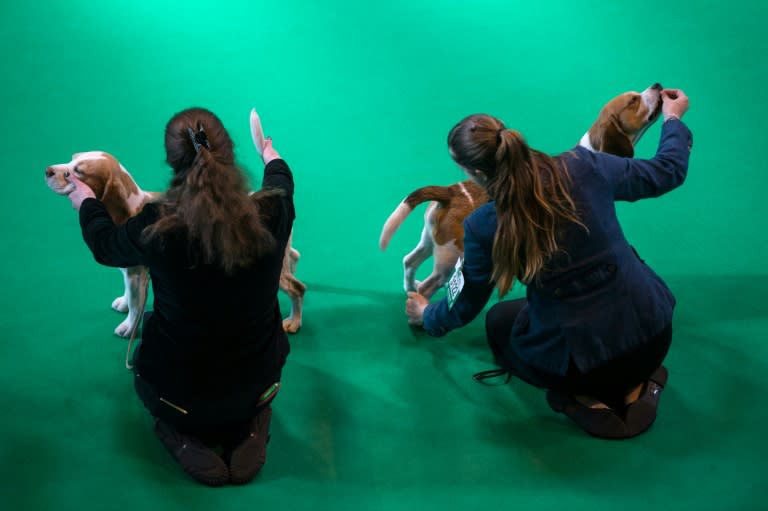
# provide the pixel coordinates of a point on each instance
(208, 198)
(531, 191)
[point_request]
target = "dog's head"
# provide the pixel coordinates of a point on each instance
(623, 120)
(110, 182)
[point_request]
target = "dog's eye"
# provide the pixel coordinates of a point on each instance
(77, 171)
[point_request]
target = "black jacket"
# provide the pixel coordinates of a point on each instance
(211, 335)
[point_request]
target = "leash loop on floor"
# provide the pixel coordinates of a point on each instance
(482, 376)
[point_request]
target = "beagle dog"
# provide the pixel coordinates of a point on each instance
(114, 186)
(619, 126)
(443, 234)
(623, 121)
(123, 198)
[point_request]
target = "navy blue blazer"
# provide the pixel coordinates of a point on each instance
(598, 300)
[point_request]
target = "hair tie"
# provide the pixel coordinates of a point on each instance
(199, 139)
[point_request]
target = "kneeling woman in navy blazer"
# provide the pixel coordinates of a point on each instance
(596, 322)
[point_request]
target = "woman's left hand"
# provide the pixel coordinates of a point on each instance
(81, 192)
(414, 308)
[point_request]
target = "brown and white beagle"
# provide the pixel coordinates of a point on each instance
(619, 126)
(443, 234)
(114, 186)
(622, 121)
(123, 198)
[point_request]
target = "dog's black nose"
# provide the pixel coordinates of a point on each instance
(656, 86)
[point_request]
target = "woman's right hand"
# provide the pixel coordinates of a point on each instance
(79, 193)
(269, 153)
(674, 103)
(414, 308)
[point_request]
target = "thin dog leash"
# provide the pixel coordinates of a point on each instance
(144, 288)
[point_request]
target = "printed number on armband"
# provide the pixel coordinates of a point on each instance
(455, 284)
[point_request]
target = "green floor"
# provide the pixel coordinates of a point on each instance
(359, 97)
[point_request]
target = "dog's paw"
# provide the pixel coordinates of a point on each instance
(120, 304)
(124, 329)
(291, 325)
(412, 286)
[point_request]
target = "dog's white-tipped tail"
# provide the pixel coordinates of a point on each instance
(393, 223)
(257, 132)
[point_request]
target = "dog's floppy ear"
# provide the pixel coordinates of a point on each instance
(113, 197)
(611, 139)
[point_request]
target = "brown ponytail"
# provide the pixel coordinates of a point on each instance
(531, 192)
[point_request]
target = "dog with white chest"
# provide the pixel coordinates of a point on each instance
(113, 186)
(623, 121)
(619, 126)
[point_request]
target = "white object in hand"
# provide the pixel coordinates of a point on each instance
(257, 133)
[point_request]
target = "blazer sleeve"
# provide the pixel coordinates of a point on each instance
(112, 244)
(634, 179)
(477, 269)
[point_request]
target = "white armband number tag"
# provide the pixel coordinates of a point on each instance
(455, 284)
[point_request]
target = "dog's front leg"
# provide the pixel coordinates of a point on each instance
(133, 300)
(120, 304)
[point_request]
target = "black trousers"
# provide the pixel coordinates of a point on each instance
(609, 383)
(225, 422)
(214, 419)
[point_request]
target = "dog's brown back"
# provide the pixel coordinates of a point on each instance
(453, 204)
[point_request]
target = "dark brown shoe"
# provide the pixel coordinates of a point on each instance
(246, 460)
(197, 460)
(598, 422)
(641, 414)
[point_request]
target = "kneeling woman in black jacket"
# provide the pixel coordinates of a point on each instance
(213, 349)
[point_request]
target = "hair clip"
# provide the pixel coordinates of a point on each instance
(199, 139)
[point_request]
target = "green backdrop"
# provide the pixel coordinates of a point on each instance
(358, 98)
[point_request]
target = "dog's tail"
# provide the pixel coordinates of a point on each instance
(440, 194)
